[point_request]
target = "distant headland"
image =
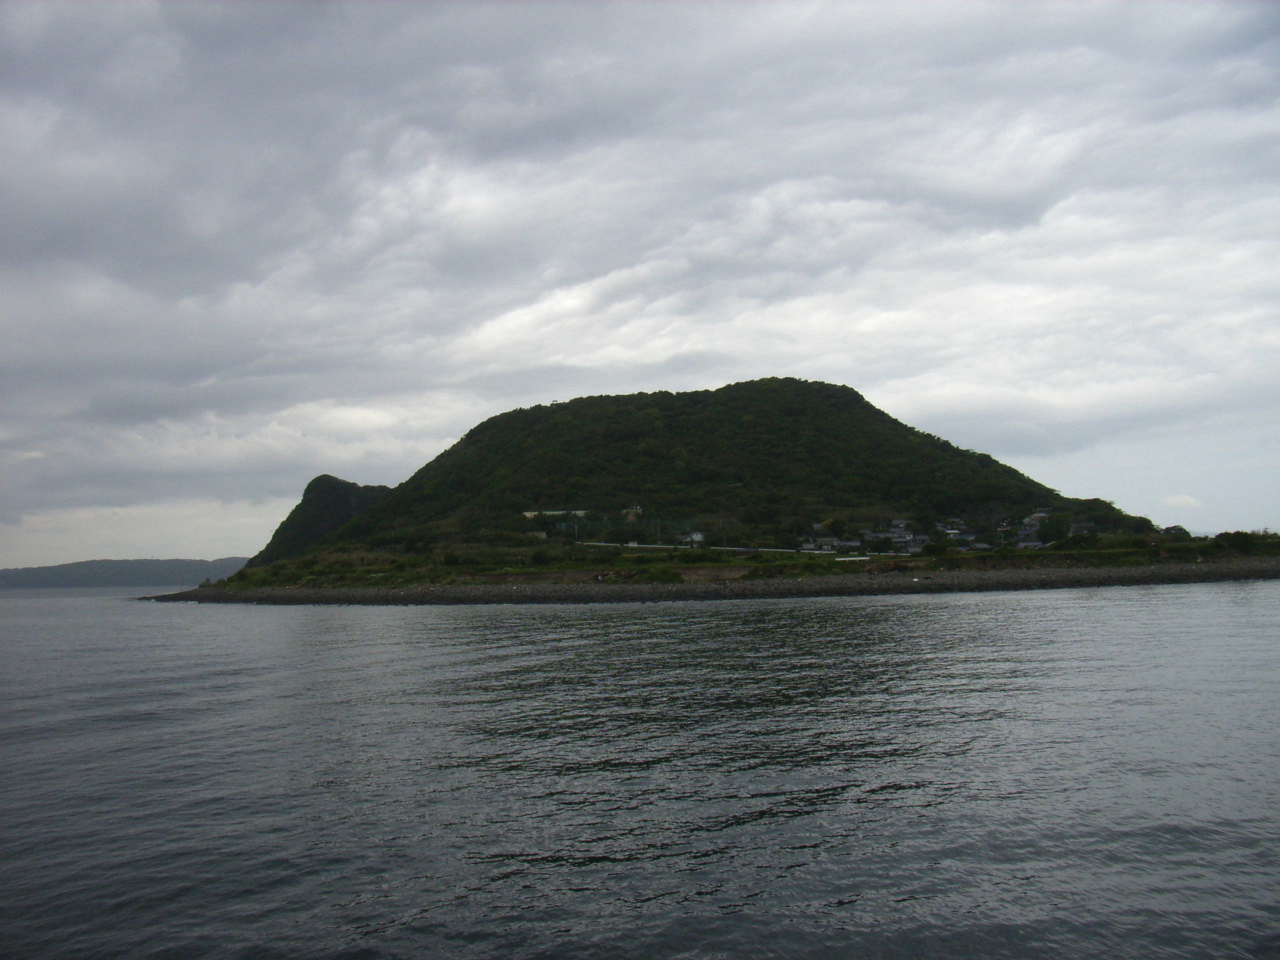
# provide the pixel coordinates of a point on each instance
(711, 492)
(121, 573)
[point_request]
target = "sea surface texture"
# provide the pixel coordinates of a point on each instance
(1066, 774)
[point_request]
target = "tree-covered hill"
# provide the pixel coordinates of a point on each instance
(758, 463)
(327, 504)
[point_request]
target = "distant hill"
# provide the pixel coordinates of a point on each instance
(122, 573)
(757, 463)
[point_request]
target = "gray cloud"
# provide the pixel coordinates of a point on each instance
(249, 242)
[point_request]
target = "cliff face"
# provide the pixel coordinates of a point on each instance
(327, 504)
(756, 461)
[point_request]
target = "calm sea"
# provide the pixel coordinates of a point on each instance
(1084, 773)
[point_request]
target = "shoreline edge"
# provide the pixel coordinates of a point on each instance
(834, 585)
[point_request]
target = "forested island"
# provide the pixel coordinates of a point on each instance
(775, 479)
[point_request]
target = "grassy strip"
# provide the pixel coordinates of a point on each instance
(393, 570)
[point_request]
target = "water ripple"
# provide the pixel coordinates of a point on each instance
(1083, 773)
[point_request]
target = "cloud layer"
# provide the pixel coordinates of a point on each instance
(249, 243)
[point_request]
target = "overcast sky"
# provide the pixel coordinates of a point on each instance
(247, 243)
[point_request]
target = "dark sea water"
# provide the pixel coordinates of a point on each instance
(1077, 773)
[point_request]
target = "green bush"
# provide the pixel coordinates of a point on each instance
(660, 573)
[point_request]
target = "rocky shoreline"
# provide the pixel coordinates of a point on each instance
(853, 584)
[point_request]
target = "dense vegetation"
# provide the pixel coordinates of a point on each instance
(327, 504)
(762, 464)
(757, 462)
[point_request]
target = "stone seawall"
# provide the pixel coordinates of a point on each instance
(837, 585)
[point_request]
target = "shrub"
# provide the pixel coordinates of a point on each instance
(660, 573)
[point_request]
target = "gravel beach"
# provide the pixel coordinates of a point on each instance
(853, 584)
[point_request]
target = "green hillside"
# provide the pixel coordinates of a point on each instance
(327, 504)
(751, 464)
